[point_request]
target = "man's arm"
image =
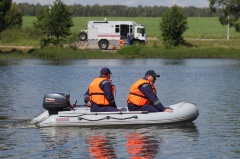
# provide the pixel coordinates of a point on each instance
(87, 99)
(146, 89)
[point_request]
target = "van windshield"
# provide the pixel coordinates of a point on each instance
(141, 31)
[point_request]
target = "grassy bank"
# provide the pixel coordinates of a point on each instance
(153, 49)
(194, 51)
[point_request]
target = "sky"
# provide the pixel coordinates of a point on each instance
(181, 3)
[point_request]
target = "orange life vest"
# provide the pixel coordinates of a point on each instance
(136, 97)
(96, 94)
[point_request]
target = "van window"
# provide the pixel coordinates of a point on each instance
(130, 29)
(141, 30)
(117, 30)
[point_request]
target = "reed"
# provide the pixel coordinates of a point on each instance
(14, 54)
(125, 52)
(179, 52)
(68, 53)
(183, 53)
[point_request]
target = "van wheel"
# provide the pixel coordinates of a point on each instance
(82, 36)
(103, 45)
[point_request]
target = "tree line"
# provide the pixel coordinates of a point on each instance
(97, 10)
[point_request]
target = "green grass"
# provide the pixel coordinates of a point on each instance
(202, 27)
(28, 21)
(26, 36)
(199, 27)
(208, 28)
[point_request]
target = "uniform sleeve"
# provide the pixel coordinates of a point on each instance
(107, 88)
(146, 89)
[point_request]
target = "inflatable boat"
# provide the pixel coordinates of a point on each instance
(59, 112)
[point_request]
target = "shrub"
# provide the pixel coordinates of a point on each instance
(173, 25)
(131, 51)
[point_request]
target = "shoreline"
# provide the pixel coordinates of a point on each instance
(9, 48)
(195, 48)
(26, 48)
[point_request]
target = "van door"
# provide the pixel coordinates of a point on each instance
(124, 30)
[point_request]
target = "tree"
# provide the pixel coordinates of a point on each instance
(13, 17)
(10, 15)
(173, 25)
(4, 7)
(230, 8)
(54, 23)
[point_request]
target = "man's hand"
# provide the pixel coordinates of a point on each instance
(168, 110)
(89, 104)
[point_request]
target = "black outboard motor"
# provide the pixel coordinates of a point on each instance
(55, 102)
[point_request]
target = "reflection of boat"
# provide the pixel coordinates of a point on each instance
(58, 114)
(100, 147)
(141, 146)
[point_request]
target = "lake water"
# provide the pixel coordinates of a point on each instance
(212, 84)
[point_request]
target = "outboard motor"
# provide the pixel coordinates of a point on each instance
(55, 102)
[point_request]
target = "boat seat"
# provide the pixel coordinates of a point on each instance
(123, 109)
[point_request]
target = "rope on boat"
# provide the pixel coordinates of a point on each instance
(81, 118)
(125, 118)
(108, 117)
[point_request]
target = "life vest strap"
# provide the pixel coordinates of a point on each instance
(138, 95)
(96, 94)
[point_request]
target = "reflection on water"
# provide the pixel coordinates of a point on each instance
(55, 141)
(175, 62)
(54, 137)
(100, 146)
(127, 142)
(140, 146)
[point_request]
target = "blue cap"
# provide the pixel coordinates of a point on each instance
(105, 70)
(152, 73)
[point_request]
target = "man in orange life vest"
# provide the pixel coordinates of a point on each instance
(143, 96)
(100, 93)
